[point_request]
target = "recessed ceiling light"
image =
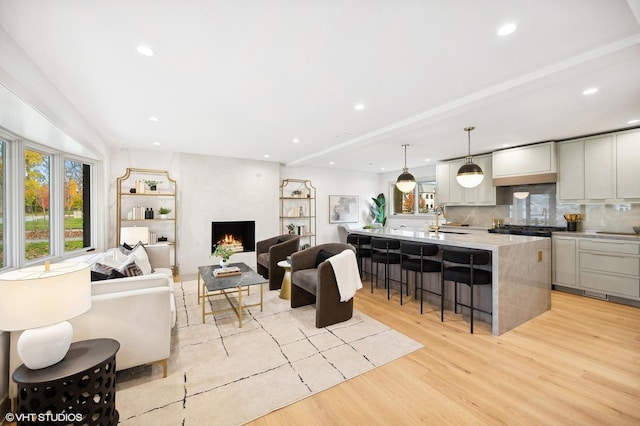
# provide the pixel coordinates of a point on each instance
(156, 143)
(296, 140)
(358, 107)
(427, 159)
(267, 156)
(590, 91)
(145, 50)
(507, 29)
(381, 168)
(634, 121)
(506, 145)
(154, 118)
(331, 163)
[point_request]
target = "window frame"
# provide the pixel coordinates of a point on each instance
(13, 202)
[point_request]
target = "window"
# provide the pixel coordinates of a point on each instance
(77, 217)
(37, 177)
(405, 203)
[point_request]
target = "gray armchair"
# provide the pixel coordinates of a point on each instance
(271, 251)
(311, 284)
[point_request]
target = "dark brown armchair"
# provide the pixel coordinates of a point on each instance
(271, 251)
(311, 284)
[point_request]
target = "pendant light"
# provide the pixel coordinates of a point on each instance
(406, 182)
(470, 174)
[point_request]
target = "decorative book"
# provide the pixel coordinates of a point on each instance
(226, 272)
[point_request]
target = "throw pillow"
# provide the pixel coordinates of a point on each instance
(322, 256)
(127, 249)
(130, 269)
(141, 258)
(97, 276)
(103, 269)
(113, 257)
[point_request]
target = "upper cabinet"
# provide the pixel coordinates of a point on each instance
(525, 165)
(599, 169)
(627, 167)
(450, 192)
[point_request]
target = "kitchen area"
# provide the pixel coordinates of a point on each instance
(581, 196)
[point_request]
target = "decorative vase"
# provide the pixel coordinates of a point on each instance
(224, 263)
(163, 216)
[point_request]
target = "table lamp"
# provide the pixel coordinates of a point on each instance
(40, 300)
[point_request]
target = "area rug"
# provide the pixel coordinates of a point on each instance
(220, 374)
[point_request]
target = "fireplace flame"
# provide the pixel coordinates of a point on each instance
(232, 242)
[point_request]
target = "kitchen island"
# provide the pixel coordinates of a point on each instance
(521, 270)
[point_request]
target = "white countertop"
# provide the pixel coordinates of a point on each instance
(599, 234)
(477, 240)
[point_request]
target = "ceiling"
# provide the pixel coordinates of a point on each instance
(244, 79)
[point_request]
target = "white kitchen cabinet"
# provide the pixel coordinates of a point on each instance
(571, 171)
(627, 166)
(565, 265)
(485, 193)
(537, 161)
(610, 266)
(450, 192)
(601, 265)
(443, 183)
(599, 168)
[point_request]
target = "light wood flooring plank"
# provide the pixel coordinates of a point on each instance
(578, 363)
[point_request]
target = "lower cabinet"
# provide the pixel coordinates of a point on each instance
(564, 265)
(602, 265)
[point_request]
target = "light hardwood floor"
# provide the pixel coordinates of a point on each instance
(578, 363)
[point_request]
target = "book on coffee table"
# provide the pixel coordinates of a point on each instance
(226, 272)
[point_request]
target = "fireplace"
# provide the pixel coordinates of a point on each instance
(239, 235)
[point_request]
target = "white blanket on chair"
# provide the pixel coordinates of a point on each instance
(345, 267)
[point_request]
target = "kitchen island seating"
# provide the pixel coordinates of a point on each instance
(271, 251)
(313, 281)
(459, 266)
(386, 251)
(362, 243)
(419, 258)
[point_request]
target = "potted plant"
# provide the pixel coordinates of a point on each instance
(152, 184)
(296, 193)
(223, 251)
(292, 228)
(378, 209)
(164, 212)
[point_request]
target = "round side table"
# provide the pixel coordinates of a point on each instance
(285, 290)
(79, 390)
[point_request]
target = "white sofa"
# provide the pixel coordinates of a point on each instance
(139, 312)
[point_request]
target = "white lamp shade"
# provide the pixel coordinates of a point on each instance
(32, 297)
(469, 181)
(134, 234)
(521, 195)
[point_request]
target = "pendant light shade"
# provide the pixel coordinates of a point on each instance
(406, 182)
(470, 174)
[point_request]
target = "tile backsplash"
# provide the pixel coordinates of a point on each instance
(541, 208)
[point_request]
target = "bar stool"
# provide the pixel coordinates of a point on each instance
(460, 268)
(362, 243)
(385, 250)
(416, 258)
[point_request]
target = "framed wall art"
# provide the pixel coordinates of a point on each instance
(343, 208)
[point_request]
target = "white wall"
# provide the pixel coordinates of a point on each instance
(209, 189)
(328, 181)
